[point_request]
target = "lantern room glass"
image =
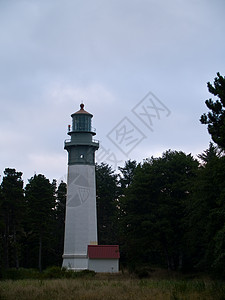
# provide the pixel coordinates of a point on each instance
(82, 123)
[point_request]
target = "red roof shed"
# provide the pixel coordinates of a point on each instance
(103, 251)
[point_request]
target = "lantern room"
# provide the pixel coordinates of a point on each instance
(81, 120)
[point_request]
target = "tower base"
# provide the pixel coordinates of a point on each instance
(75, 262)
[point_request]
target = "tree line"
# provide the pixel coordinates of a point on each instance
(31, 221)
(167, 211)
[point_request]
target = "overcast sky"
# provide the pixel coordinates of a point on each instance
(140, 67)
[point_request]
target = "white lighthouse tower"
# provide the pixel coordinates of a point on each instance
(81, 220)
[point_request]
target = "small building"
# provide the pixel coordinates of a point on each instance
(103, 258)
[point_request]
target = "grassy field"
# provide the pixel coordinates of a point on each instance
(111, 287)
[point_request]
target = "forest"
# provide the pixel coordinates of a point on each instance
(166, 211)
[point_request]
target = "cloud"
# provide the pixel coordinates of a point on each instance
(48, 163)
(109, 54)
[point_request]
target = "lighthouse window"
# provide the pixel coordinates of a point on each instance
(88, 123)
(82, 123)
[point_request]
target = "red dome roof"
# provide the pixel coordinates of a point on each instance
(82, 111)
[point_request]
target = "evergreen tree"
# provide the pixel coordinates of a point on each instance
(210, 153)
(12, 213)
(1, 230)
(155, 208)
(40, 197)
(207, 215)
(215, 118)
(60, 221)
(106, 199)
(127, 173)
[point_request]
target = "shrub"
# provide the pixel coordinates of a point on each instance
(53, 272)
(21, 273)
(143, 272)
(86, 273)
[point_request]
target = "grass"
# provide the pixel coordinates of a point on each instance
(109, 287)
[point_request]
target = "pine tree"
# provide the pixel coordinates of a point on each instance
(40, 197)
(154, 209)
(106, 200)
(12, 213)
(60, 220)
(215, 118)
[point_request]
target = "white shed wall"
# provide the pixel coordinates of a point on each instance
(104, 265)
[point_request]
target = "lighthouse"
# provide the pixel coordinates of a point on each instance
(81, 220)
